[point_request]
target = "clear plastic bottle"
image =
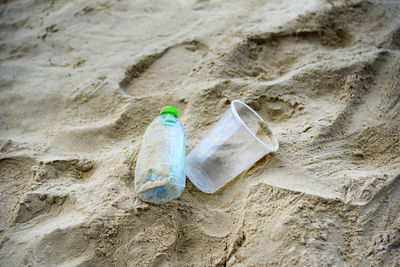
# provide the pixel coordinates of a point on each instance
(160, 168)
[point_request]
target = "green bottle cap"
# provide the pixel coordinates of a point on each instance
(169, 110)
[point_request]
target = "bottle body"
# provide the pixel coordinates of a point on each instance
(160, 168)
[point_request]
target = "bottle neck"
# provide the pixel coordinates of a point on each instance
(168, 119)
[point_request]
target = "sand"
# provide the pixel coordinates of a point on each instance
(81, 80)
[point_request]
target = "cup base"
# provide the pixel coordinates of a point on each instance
(196, 176)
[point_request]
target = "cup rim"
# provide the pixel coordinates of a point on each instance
(237, 117)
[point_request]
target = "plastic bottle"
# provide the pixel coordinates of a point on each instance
(160, 168)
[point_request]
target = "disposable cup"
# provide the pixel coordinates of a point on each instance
(235, 143)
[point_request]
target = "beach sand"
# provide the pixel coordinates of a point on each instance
(81, 80)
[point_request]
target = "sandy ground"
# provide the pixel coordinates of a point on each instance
(81, 80)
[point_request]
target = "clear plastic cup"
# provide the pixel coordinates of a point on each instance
(235, 143)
